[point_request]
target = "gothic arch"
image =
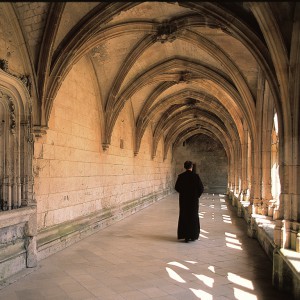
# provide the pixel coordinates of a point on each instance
(17, 142)
(181, 99)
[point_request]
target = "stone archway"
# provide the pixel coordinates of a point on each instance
(18, 217)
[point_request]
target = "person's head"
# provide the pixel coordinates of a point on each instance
(188, 165)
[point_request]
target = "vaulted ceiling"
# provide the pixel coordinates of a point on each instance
(186, 67)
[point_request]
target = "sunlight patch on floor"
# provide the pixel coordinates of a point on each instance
(205, 279)
(233, 241)
(230, 234)
(201, 294)
(226, 219)
(224, 207)
(233, 246)
(203, 236)
(212, 268)
(242, 295)
(240, 281)
(191, 262)
(175, 275)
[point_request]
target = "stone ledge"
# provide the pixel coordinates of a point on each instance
(286, 263)
(15, 252)
(16, 216)
(61, 236)
(286, 271)
(293, 258)
(12, 266)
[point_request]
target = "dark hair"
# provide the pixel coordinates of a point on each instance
(188, 164)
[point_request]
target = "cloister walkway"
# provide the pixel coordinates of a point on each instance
(140, 258)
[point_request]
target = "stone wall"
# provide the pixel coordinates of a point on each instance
(210, 159)
(76, 181)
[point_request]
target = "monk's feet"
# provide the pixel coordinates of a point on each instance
(189, 239)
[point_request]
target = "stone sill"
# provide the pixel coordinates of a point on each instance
(16, 216)
(266, 223)
(293, 259)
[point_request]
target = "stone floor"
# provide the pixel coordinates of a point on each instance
(140, 258)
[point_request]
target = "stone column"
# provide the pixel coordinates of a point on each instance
(277, 233)
(295, 229)
(286, 234)
(244, 163)
(257, 145)
(267, 125)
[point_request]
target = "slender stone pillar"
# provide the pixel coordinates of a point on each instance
(286, 234)
(298, 241)
(244, 162)
(267, 126)
(294, 232)
(277, 233)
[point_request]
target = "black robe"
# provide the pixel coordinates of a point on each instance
(190, 187)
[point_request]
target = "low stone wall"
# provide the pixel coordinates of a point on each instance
(17, 241)
(22, 247)
(58, 237)
(286, 263)
(286, 271)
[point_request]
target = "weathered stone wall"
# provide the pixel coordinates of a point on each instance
(75, 178)
(17, 241)
(210, 159)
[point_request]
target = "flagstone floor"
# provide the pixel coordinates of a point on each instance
(140, 258)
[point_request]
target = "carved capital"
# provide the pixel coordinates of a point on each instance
(105, 146)
(39, 130)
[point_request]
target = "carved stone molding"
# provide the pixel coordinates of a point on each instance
(185, 77)
(166, 32)
(39, 130)
(24, 78)
(27, 82)
(105, 146)
(2, 123)
(191, 102)
(4, 65)
(12, 116)
(28, 123)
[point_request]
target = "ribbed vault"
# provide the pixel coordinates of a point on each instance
(174, 53)
(184, 67)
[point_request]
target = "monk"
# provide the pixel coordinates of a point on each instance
(190, 188)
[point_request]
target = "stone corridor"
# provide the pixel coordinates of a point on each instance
(140, 258)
